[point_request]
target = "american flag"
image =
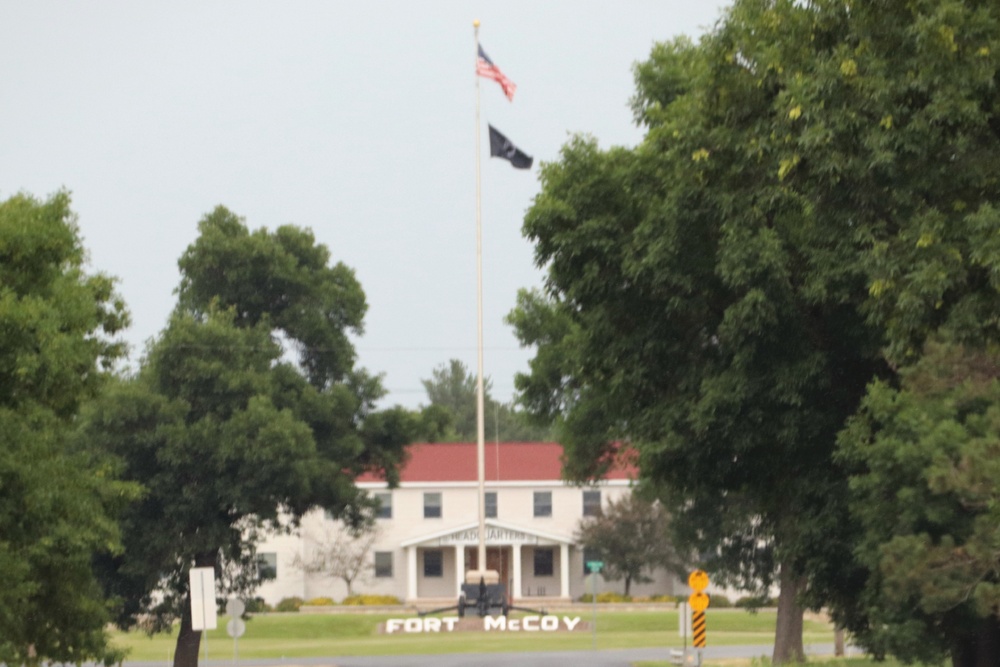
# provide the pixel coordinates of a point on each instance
(485, 67)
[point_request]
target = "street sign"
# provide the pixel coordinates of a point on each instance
(595, 565)
(236, 627)
(699, 630)
(698, 580)
(698, 601)
(202, 580)
(235, 607)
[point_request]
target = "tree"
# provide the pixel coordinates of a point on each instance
(227, 436)
(57, 502)
(705, 324)
(927, 456)
(344, 553)
(630, 536)
(815, 195)
(452, 388)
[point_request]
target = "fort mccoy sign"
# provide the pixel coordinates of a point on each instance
(489, 624)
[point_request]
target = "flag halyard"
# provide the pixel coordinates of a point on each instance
(486, 68)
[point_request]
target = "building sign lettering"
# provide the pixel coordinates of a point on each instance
(490, 624)
(494, 535)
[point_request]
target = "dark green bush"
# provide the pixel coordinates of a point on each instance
(257, 606)
(719, 601)
(289, 604)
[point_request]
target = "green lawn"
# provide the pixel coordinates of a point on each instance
(309, 635)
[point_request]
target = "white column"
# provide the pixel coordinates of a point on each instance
(411, 574)
(459, 568)
(564, 570)
(516, 565)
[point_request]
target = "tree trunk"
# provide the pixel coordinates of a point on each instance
(838, 642)
(189, 639)
(981, 649)
(628, 584)
(788, 632)
(188, 643)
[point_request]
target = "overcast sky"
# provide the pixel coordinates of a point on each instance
(354, 119)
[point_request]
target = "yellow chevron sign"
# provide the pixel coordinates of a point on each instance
(698, 629)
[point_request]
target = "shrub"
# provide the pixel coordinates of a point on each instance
(289, 604)
(321, 602)
(257, 606)
(606, 598)
(664, 598)
(371, 600)
(719, 601)
(755, 602)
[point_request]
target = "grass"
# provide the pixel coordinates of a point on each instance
(316, 635)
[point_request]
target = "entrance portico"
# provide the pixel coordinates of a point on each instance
(506, 546)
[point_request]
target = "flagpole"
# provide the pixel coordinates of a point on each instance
(480, 428)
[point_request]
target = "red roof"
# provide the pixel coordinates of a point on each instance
(514, 462)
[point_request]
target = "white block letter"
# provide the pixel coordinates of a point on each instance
(570, 622)
(530, 623)
(392, 625)
(550, 623)
(498, 623)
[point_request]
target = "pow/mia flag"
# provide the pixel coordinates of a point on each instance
(500, 146)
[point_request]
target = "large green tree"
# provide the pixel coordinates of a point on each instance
(814, 195)
(230, 436)
(57, 502)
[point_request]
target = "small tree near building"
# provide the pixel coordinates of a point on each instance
(343, 552)
(630, 536)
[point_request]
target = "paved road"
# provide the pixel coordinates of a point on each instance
(608, 658)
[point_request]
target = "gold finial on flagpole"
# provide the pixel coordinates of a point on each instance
(475, 23)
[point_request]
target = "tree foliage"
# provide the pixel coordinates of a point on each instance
(58, 503)
(815, 195)
(228, 436)
(451, 390)
(630, 536)
(928, 460)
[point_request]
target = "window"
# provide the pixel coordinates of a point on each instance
(543, 562)
(432, 505)
(267, 566)
(491, 504)
(384, 499)
(433, 566)
(543, 503)
(591, 503)
(383, 563)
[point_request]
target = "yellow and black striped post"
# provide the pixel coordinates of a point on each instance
(698, 629)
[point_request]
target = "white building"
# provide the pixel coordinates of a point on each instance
(428, 529)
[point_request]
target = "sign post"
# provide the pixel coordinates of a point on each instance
(594, 566)
(699, 601)
(235, 627)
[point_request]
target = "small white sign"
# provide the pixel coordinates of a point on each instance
(236, 627)
(235, 607)
(684, 620)
(203, 611)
